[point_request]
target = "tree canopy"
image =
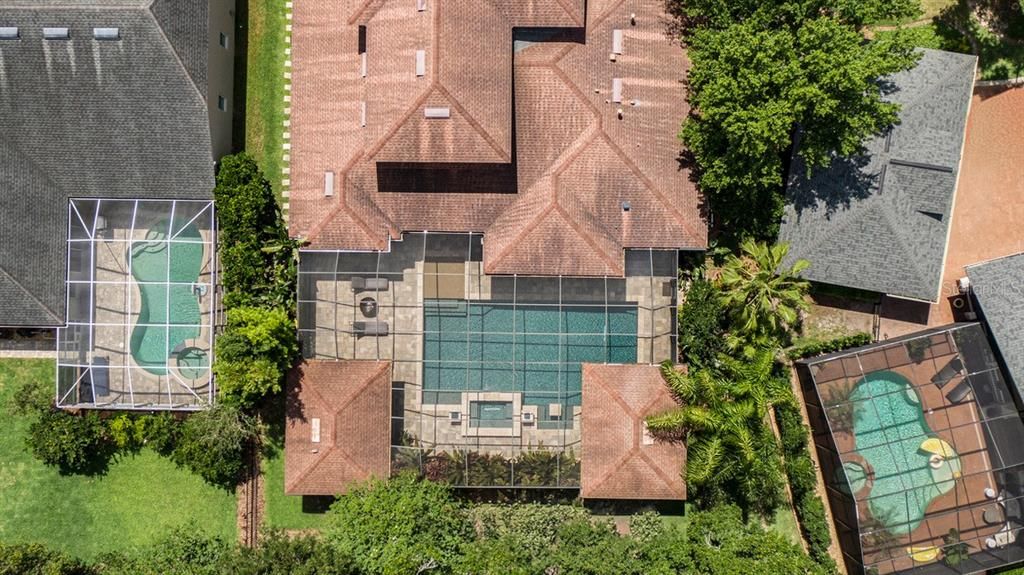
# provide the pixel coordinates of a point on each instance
(763, 73)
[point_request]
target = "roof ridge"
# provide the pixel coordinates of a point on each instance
(589, 239)
(177, 57)
(472, 121)
(42, 305)
(897, 236)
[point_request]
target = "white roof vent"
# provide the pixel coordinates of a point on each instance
(106, 33)
(8, 33)
(616, 41)
(421, 62)
(328, 184)
(362, 65)
(437, 113)
(421, 5)
(56, 33)
(362, 114)
(617, 90)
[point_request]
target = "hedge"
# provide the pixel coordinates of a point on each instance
(803, 480)
(829, 346)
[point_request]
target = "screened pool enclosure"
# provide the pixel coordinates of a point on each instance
(486, 369)
(922, 449)
(140, 305)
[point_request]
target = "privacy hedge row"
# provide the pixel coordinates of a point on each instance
(258, 274)
(829, 346)
(803, 480)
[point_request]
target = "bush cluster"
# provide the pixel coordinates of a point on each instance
(828, 346)
(803, 481)
(701, 334)
(211, 443)
(466, 468)
(258, 274)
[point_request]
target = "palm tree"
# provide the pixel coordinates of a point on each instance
(722, 418)
(762, 297)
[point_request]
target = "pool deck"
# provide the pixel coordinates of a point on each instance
(959, 425)
(117, 302)
(401, 306)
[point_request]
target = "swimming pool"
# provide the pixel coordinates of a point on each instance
(169, 311)
(889, 428)
(536, 350)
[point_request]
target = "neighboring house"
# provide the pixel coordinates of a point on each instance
(997, 287)
(492, 197)
(104, 103)
(880, 221)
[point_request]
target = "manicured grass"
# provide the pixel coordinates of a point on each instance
(283, 511)
(138, 500)
(265, 87)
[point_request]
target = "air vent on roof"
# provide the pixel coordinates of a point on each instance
(617, 90)
(421, 62)
(56, 33)
(436, 113)
(362, 113)
(8, 33)
(106, 33)
(314, 430)
(421, 5)
(616, 41)
(362, 39)
(328, 184)
(362, 64)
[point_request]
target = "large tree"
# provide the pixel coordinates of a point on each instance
(765, 71)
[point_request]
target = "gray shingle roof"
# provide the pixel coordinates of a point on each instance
(998, 287)
(879, 221)
(87, 118)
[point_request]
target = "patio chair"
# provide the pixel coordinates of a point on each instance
(948, 372)
(993, 516)
(369, 284)
(374, 328)
(960, 392)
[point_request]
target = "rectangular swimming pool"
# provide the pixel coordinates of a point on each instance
(535, 350)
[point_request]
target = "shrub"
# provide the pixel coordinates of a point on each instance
(74, 443)
(792, 430)
(531, 527)
(128, 432)
(35, 559)
(803, 476)
(646, 526)
(399, 526)
(257, 257)
(213, 444)
(814, 525)
(700, 324)
(829, 346)
(254, 354)
(162, 432)
(31, 398)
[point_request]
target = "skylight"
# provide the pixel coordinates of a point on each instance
(56, 33)
(106, 33)
(8, 32)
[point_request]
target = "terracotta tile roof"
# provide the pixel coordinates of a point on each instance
(542, 108)
(352, 401)
(619, 460)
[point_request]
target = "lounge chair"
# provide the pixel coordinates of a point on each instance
(951, 369)
(960, 392)
(369, 284)
(375, 328)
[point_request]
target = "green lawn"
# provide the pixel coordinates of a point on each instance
(264, 109)
(137, 501)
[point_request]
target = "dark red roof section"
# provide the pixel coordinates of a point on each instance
(352, 401)
(545, 109)
(619, 459)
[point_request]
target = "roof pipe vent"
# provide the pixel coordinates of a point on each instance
(421, 62)
(421, 5)
(328, 184)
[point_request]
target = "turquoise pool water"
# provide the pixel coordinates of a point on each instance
(497, 347)
(169, 311)
(889, 427)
